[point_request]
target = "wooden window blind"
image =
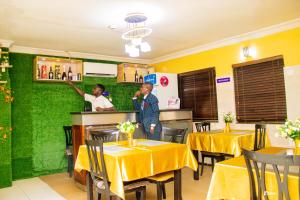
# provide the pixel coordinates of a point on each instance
(260, 91)
(197, 91)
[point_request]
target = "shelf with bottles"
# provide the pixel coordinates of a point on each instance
(133, 73)
(51, 69)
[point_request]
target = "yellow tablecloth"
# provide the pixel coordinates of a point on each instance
(230, 180)
(139, 162)
(219, 142)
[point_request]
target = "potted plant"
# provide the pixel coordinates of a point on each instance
(291, 129)
(228, 119)
(128, 128)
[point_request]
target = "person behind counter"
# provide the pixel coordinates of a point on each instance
(98, 101)
(148, 112)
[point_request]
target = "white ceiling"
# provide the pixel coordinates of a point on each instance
(81, 25)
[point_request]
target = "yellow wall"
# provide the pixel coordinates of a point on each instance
(285, 43)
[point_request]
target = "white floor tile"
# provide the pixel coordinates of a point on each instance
(29, 189)
(12, 193)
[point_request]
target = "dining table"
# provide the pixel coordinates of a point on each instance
(217, 141)
(230, 179)
(143, 159)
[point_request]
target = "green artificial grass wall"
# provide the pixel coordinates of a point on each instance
(21, 82)
(5, 145)
(41, 109)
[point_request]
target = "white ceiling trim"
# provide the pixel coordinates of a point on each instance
(6, 43)
(231, 40)
(51, 52)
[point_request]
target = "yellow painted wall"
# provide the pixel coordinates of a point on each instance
(285, 43)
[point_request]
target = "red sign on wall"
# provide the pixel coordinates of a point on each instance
(164, 81)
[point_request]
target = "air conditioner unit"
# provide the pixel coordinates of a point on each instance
(99, 69)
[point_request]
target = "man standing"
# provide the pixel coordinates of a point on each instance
(148, 112)
(98, 101)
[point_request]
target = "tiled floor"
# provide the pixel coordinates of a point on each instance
(192, 190)
(29, 189)
(60, 187)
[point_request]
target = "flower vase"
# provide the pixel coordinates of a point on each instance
(130, 139)
(297, 146)
(227, 128)
(297, 143)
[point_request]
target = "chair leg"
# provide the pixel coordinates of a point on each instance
(70, 165)
(212, 164)
(98, 196)
(159, 192)
(138, 195)
(163, 187)
(144, 193)
(141, 194)
(202, 165)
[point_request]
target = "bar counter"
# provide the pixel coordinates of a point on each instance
(82, 122)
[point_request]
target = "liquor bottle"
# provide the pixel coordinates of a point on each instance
(58, 73)
(141, 79)
(136, 76)
(70, 74)
(50, 73)
(78, 76)
(38, 72)
(64, 75)
(44, 72)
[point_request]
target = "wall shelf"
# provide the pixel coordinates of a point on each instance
(129, 72)
(57, 68)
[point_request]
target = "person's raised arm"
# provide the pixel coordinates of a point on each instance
(136, 104)
(79, 91)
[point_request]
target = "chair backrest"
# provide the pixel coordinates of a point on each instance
(259, 162)
(260, 136)
(105, 135)
(97, 163)
(202, 126)
(68, 134)
(174, 135)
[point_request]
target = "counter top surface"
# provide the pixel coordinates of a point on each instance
(124, 111)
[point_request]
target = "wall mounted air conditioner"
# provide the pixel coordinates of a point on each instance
(99, 69)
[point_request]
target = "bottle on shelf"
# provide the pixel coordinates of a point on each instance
(56, 71)
(136, 77)
(44, 72)
(70, 74)
(38, 72)
(64, 75)
(78, 76)
(141, 79)
(51, 73)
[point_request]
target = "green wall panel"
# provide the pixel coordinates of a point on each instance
(21, 83)
(5, 146)
(41, 109)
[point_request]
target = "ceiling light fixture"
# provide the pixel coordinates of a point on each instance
(135, 33)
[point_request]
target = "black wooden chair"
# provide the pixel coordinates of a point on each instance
(258, 162)
(204, 127)
(99, 175)
(109, 135)
(69, 148)
(173, 135)
(260, 136)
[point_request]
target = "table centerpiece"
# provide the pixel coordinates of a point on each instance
(228, 119)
